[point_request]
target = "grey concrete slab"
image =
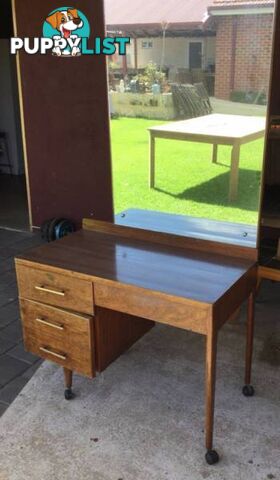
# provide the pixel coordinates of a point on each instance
(8, 278)
(31, 370)
(19, 352)
(14, 361)
(9, 313)
(8, 294)
(31, 241)
(9, 237)
(11, 250)
(12, 389)
(10, 368)
(143, 418)
(12, 332)
(8, 283)
(3, 408)
(5, 298)
(7, 252)
(5, 345)
(6, 264)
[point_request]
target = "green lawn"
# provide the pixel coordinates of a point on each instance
(186, 180)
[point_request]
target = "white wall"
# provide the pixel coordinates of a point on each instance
(176, 52)
(9, 119)
(143, 105)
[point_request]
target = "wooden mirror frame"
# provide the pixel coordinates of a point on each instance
(269, 266)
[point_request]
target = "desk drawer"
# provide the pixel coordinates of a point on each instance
(55, 289)
(60, 336)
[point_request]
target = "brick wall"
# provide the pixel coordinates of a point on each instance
(243, 53)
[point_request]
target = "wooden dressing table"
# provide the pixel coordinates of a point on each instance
(87, 298)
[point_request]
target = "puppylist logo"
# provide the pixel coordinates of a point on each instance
(66, 33)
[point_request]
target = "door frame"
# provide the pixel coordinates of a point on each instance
(22, 120)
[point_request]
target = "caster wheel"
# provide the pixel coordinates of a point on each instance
(68, 394)
(212, 457)
(248, 391)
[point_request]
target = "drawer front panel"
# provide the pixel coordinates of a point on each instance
(142, 303)
(55, 289)
(54, 321)
(63, 337)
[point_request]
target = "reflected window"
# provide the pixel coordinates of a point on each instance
(147, 44)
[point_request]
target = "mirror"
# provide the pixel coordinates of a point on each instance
(188, 107)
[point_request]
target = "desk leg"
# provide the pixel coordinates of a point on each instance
(234, 173)
(68, 378)
(248, 390)
(212, 456)
(215, 154)
(152, 160)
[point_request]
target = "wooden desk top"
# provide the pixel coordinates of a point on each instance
(215, 126)
(189, 274)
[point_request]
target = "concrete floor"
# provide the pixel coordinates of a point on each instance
(143, 419)
(237, 108)
(16, 366)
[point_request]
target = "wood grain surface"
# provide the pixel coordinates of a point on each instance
(187, 274)
(115, 333)
(74, 341)
(224, 129)
(55, 289)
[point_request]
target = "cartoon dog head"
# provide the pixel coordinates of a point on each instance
(65, 21)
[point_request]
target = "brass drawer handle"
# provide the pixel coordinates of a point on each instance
(56, 355)
(42, 288)
(48, 324)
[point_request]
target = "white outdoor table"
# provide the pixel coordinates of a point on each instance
(217, 129)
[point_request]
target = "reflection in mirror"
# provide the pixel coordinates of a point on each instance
(270, 211)
(188, 114)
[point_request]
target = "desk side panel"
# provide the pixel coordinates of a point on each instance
(115, 333)
(234, 297)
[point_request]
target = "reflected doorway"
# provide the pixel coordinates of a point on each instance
(195, 55)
